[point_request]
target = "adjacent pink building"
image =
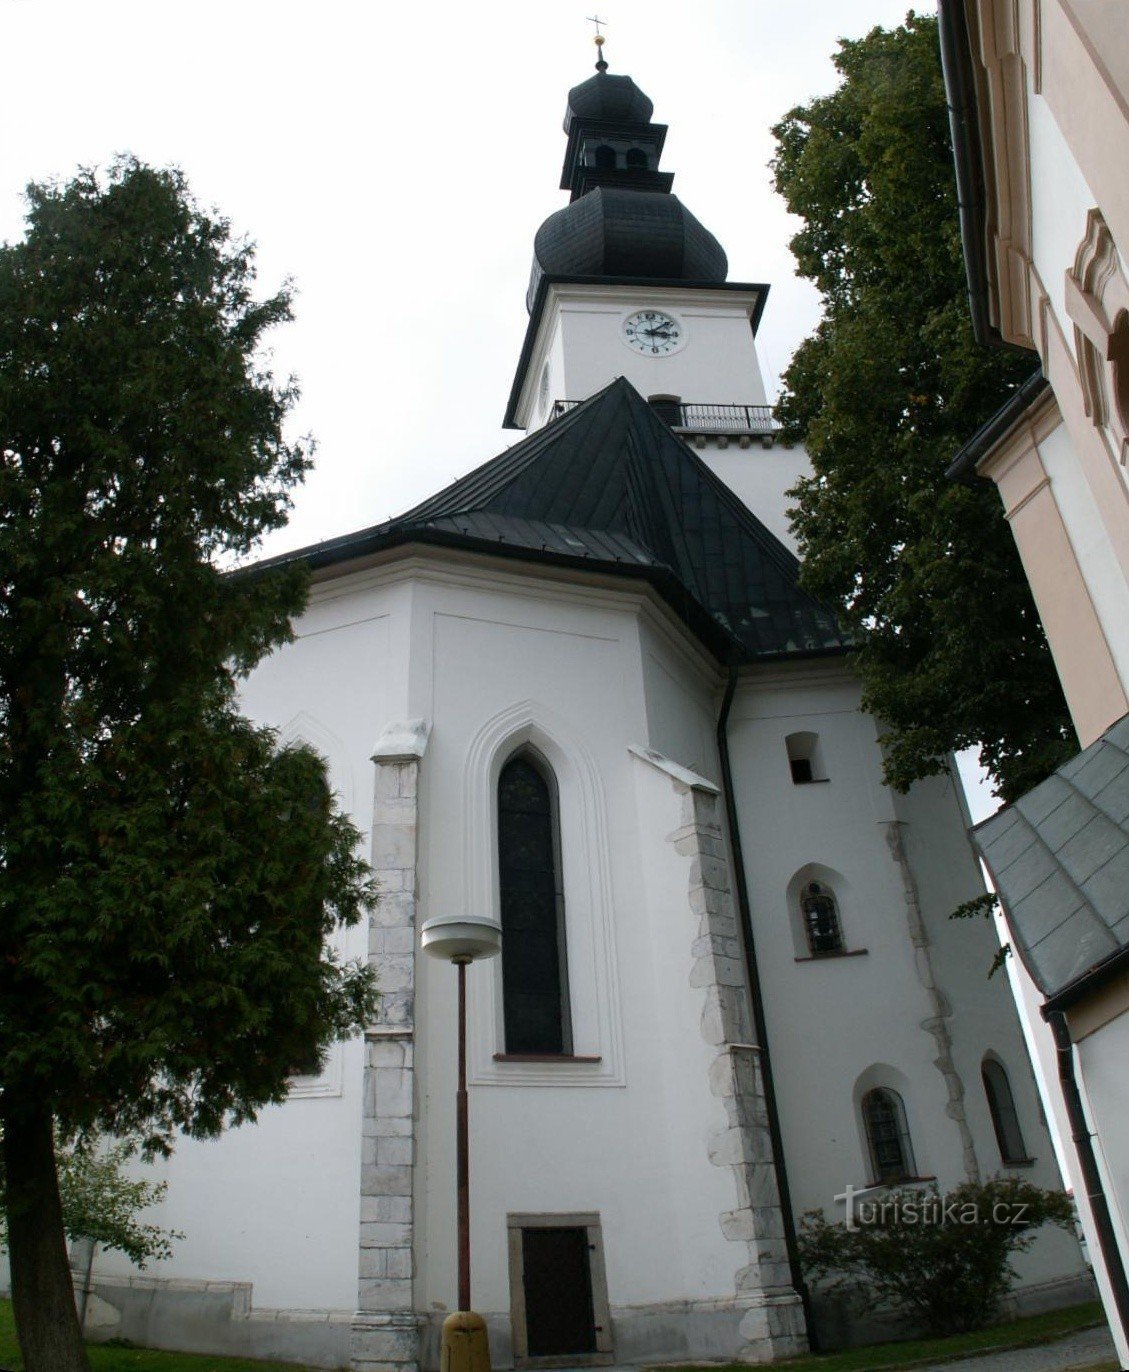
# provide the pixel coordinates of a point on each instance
(1039, 99)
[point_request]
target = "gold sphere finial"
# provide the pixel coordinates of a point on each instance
(599, 40)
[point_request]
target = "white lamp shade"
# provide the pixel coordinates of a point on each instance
(461, 938)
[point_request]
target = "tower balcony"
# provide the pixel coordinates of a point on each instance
(700, 422)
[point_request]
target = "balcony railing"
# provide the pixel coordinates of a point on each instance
(729, 420)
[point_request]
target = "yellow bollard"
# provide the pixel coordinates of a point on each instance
(465, 1346)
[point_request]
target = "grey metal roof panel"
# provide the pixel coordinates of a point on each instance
(1060, 860)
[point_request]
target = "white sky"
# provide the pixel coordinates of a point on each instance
(396, 163)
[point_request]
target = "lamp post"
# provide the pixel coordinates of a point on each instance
(462, 939)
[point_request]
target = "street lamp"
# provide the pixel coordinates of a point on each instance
(461, 939)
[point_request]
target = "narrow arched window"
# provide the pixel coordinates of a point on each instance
(605, 156)
(821, 919)
(534, 969)
(1005, 1117)
(637, 158)
(887, 1137)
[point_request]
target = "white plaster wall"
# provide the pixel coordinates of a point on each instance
(551, 356)
(681, 702)
(761, 477)
(586, 671)
(833, 1020)
(837, 825)
(1060, 201)
(717, 365)
(984, 1016)
(607, 1140)
(276, 1203)
(1089, 538)
(1101, 1059)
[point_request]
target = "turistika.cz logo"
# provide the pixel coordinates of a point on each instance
(923, 1208)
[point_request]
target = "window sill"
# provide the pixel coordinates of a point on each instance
(829, 957)
(812, 781)
(543, 1057)
(900, 1181)
(1018, 1162)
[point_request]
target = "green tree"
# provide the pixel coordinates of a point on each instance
(169, 875)
(924, 572)
(101, 1200)
(943, 1261)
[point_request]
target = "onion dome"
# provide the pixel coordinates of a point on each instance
(609, 99)
(613, 231)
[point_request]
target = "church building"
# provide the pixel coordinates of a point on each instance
(582, 691)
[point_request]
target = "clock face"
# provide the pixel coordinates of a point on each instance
(652, 333)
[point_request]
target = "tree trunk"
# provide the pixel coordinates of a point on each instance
(42, 1289)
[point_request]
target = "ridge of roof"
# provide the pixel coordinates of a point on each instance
(610, 485)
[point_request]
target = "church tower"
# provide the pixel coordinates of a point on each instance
(627, 282)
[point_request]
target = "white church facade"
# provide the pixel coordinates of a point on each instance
(581, 691)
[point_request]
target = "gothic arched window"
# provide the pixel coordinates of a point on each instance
(534, 969)
(887, 1136)
(821, 919)
(1005, 1117)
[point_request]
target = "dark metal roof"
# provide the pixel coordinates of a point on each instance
(615, 231)
(610, 488)
(609, 99)
(1060, 861)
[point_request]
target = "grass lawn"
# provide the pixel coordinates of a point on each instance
(885, 1356)
(890, 1356)
(106, 1358)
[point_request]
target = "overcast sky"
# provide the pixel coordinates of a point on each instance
(395, 162)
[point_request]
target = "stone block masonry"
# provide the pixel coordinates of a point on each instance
(771, 1324)
(386, 1329)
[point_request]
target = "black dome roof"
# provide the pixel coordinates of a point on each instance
(613, 99)
(618, 232)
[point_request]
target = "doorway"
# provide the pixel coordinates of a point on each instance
(558, 1290)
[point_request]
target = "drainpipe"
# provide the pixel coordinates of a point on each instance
(1087, 1161)
(759, 1026)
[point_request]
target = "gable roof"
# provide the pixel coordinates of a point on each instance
(611, 487)
(1060, 860)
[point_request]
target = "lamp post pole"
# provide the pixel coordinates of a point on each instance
(462, 1150)
(462, 939)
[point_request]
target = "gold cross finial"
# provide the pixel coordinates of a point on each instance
(601, 65)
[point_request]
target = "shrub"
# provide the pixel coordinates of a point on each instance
(943, 1260)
